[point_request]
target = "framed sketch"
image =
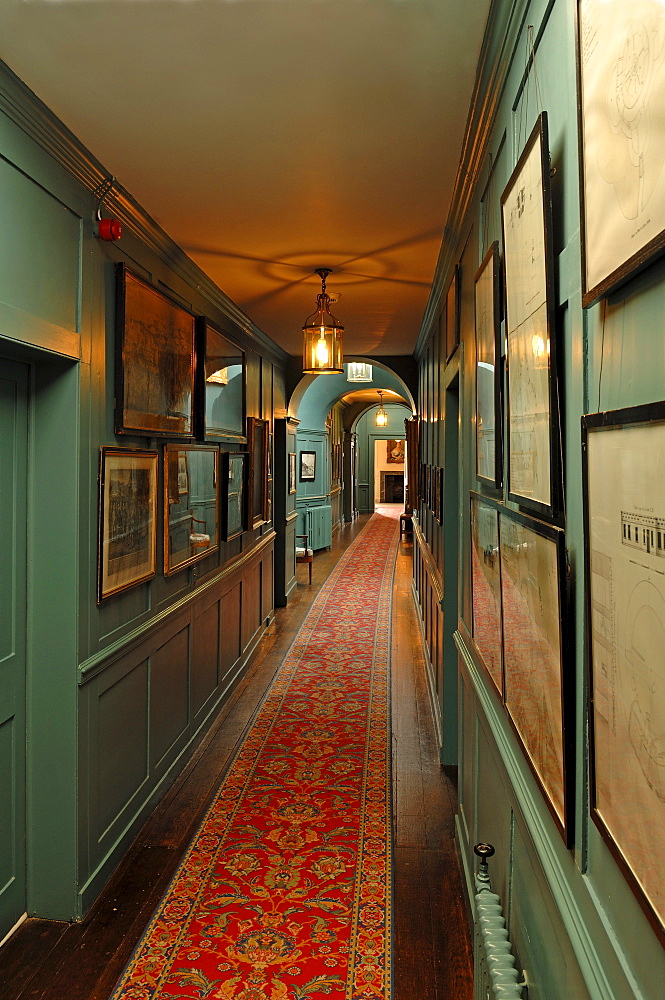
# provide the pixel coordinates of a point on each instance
(235, 473)
(452, 314)
(258, 440)
(154, 361)
(292, 472)
(621, 82)
(220, 386)
(625, 588)
(438, 495)
(395, 452)
(533, 601)
(533, 438)
(307, 466)
(489, 418)
(486, 624)
(191, 518)
(127, 519)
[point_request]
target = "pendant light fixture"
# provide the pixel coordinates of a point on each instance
(322, 344)
(381, 419)
(358, 371)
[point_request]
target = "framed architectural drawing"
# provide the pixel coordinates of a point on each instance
(292, 472)
(258, 442)
(489, 418)
(487, 626)
(621, 83)
(220, 386)
(625, 587)
(452, 314)
(235, 473)
(154, 361)
(533, 601)
(533, 436)
(127, 519)
(307, 466)
(191, 518)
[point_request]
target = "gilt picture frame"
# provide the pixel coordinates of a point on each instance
(235, 477)
(489, 410)
(452, 313)
(220, 386)
(191, 516)
(487, 614)
(258, 442)
(293, 478)
(127, 519)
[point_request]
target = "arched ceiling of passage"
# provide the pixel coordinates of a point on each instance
(272, 137)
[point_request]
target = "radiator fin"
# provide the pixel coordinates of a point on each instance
(496, 976)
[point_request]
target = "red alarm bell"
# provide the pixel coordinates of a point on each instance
(109, 229)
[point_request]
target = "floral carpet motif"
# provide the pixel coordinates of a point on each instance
(284, 893)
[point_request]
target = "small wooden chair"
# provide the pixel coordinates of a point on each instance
(304, 554)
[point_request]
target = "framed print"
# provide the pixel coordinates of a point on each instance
(621, 83)
(154, 361)
(438, 495)
(533, 439)
(127, 519)
(307, 466)
(258, 440)
(625, 588)
(292, 472)
(533, 601)
(486, 622)
(489, 418)
(220, 386)
(235, 474)
(452, 314)
(191, 518)
(395, 452)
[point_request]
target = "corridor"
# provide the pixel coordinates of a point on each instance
(51, 960)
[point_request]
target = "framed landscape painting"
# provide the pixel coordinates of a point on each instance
(127, 519)
(155, 354)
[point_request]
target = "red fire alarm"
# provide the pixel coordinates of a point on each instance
(109, 229)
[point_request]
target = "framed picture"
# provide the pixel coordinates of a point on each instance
(191, 517)
(452, 314)
(489, 418)
(127, 519)
(258, 439)
(533, 601)
(533, 438)
(220, 385)
(235, 474)
(487, 624)
(625, 588)
(438, 495)
(154, 361)
(307, 466)
(395, 452)
(292, 472)
(621, 83)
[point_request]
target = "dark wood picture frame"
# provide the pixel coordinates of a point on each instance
(535, 609)
(127, 542)
(235, 479)
(533, 449)
(258, 442)
(623, 212)
(191, 520)
(452, 313)
(624, 561)
(155, 359)
(489, 413)
(307, 473)
(220, 405)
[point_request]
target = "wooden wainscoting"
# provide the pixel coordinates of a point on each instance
(428, 595)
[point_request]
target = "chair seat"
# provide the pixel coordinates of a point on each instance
(300, 553)
(199, 540)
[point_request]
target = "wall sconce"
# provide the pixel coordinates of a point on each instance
(322, 344)
(358, 371)
(381, 419)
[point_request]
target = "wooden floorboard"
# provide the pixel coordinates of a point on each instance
(52, 960)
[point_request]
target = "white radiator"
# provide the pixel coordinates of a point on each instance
(495, 974)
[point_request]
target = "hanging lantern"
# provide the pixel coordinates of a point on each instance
(322, 345)
(381, 419)
(358, 371)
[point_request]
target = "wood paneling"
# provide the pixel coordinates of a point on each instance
(122, 743)
(205, 672)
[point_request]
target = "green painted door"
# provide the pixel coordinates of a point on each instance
(13, 499)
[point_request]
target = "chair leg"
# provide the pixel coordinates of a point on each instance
(310, 572)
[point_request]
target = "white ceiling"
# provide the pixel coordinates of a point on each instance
(271, 137)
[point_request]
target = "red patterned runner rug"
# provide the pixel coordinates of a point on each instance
(285, 891)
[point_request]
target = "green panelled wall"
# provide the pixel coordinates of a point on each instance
(576, 927)
(116, 693)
